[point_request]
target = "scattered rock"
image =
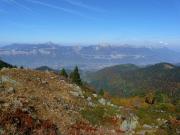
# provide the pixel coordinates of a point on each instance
(94, 95)
(17, 104)
(10, 90)
(102, 101)
(4, 69)
(44, 82)
(147, 126)
(77, 92)
(6, 105)
(66, 107)
(89, 99)
(58, 105)
(109, 103)
(161, 121)
(130, 123)
(7, 79)
(91, 104)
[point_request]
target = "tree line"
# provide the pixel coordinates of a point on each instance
(74, 75)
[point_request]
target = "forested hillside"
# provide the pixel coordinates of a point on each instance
(4, 64)
(129, 80)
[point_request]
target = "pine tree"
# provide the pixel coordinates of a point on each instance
(63, 73)
(101, 92)
(75, 76)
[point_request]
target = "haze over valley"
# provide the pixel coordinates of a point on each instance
(92, 57)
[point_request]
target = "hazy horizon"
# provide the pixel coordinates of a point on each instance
(145, 44)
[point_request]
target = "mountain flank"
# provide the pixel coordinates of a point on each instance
(129, 80)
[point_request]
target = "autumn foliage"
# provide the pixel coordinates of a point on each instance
(22, 123)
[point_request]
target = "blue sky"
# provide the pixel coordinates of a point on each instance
(90, 21)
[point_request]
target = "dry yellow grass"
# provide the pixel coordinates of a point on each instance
(46, 92)
(133, 102)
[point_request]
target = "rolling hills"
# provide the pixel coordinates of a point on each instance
(129, 80)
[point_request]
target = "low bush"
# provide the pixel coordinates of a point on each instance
(133, 102)
(168, 107)
(99, 114)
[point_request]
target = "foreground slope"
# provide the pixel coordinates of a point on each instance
(34, 102)
(41, 93)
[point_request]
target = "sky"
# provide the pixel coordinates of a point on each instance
(90, 21)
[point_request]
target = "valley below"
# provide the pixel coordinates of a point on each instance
(87, 57)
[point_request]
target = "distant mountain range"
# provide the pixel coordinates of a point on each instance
(46, 68)
(129, 79)
(86, 57)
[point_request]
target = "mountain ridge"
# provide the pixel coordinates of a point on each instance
(131, 81)
(87, 57)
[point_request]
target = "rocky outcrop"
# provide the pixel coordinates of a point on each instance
(129, 124)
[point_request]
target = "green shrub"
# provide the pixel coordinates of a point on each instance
(161, 98)
(168, 107)
(94, 115)
(101, 92)
(98, 114)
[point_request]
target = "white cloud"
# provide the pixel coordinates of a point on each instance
(163, 43)
(18, 4)
(82, 5)
(67, 10)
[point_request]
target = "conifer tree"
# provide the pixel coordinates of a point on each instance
(63, 73)
(101, 92)
(75, 76)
